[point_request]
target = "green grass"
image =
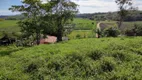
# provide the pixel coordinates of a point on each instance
(7, 50)
(9, 27)
(8, 23)
(80, 20)
(83, 59)
(78, 34)
(84, 24)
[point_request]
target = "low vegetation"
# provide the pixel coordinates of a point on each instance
(93, 59)
(84, 24)
(78, 34)
(8, 27)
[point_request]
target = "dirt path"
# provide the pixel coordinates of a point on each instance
(98, 27)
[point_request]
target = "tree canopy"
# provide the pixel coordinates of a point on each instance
(45, 18)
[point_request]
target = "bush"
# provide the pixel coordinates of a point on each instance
(78, 36)
(95, 55)
(111, 32)
(135, 31)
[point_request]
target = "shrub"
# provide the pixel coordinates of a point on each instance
(95, 55)
(107, 64)
(135, 31)
(98, 32)
(111, 32)
(138, 29)
(78, 36)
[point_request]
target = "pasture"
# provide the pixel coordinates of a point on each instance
(8, 26)
(82, 59)
(78, 34)
(84, 24)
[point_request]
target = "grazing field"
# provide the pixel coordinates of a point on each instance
(78, 34)
(84, 24)
(81, 20)
(8, 26)
(83, 59)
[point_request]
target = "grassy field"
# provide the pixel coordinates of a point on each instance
(80, 20)
(8, 26)
(83, 59)
(84, 24)
(78, 34)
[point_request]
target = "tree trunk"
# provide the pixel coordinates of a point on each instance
(37, 37)
(120, 23)
(60, 31)
(59, 34)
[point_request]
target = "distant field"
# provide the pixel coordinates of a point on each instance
(84, 24)
(78, 34)
(80, 20)
(8, 26)
(125, 25)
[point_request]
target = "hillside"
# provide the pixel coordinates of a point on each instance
(83, 59)
(132, 16)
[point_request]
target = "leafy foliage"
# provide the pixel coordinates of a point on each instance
(102, 59)
(111, 32)
(136, 30)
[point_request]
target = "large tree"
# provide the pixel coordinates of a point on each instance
(32, 10)
(63, 12)
(47, 18)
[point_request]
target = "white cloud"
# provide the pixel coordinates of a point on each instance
(86, 6)
(91, 6)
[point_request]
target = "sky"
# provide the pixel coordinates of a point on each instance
(85, 6)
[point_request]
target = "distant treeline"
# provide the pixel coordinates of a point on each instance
(12, 17)
(132, 16)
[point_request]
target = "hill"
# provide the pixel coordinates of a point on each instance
(12, 17)
(83, 59)
(132, 16)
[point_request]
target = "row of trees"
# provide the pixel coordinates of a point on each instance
(126, 13)
(45, 18)
(134, 15)
(51, 17)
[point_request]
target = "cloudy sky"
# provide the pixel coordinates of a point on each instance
(85, 6)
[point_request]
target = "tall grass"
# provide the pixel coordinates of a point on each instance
(83, 59)
(79, 34)
(84, 24)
